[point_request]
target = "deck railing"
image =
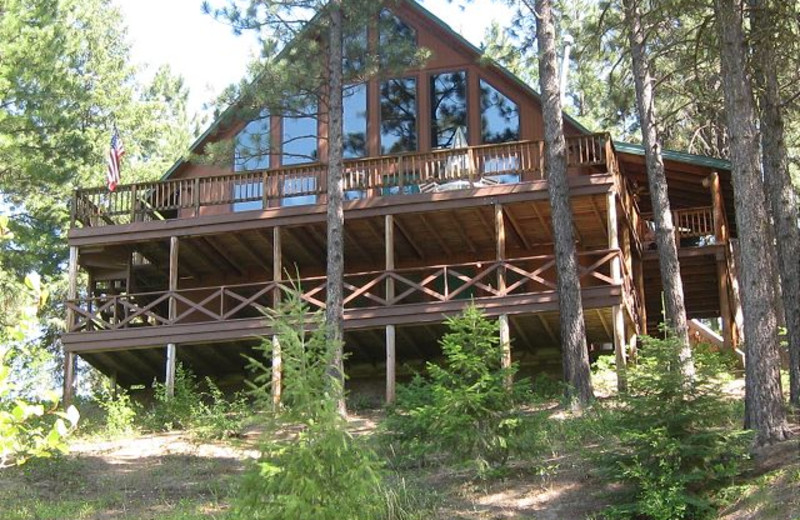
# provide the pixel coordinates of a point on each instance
(438, 170)
(693, 225)
(476, 281)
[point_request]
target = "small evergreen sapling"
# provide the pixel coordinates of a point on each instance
(462, 409)
(310, 465)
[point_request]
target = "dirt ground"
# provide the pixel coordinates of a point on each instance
(173, 477)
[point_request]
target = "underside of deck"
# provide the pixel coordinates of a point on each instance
(534, 339)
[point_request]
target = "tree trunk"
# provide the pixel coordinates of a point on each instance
(780, 192)
(657, 180)
(573, 330)
(763, 396)
(334, 312)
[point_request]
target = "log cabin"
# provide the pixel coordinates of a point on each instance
(445, 204)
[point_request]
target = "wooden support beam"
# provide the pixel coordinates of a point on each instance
(169, 376)
(618, 318)
(724, 303)
(435, 232)
(391, 350)
(313, 252)
(221, 257)
(464, 235)
(597, 214)
(72, 288)
(408, 238)
(505, 330)
(277, 359)
(548, 329)
(545, 225)
(484, 221)
(603, 322)
(515, 226)
(348, 235)
(69, 379)
(249, 251)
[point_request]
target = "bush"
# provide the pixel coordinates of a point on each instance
(678, 439)
(179, 410)
(462, 409)
(120, 414)
(310, 465)
(217, 417)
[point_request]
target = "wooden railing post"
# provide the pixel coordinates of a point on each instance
(133, 196)
(196, 196)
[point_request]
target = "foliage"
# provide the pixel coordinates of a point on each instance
(310, 465)
(678, 439)
(463, 407)
(31, 429)
(120, 414)
(209, 414)
(218, 416)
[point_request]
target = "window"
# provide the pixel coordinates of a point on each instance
(251, 152)
(399, 115)
(300, 137)
(448, 107)
(397, 40)
(499, 116)
(251, 145)
(354, 53)
(355, 121)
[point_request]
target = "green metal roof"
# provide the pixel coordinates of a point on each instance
(672, 155)
(445, 27)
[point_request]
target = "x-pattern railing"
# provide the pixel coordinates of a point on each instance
(480, 281)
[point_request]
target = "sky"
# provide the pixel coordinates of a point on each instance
(209, 57)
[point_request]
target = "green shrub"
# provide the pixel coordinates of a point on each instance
(120, 414)
(216, 416)
(179, 410)
(462, 409)
(678, 440)
(310, 465)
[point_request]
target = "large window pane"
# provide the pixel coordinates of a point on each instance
(448, 107)
(499, 116)
(355, 121)
(399, 115)
(354, 58)
(397, 40)
(251, 145)
(300, 137)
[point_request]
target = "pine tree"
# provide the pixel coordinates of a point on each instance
(763, 396)
(780, 192)
(657, 181)
(575, 357)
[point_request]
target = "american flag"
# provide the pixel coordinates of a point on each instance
(115, 154)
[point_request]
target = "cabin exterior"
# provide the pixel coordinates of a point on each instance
(446, 203)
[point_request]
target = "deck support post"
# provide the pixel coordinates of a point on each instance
(721, 237)
(169, 376)
(391, 352)
(505, 330)
(277, 360)
(617, 313)
(69, 357)
(69, 379)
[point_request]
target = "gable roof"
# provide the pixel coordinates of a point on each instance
(413, 4)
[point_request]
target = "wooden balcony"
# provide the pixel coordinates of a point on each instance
(371, 299)
(441, 170)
